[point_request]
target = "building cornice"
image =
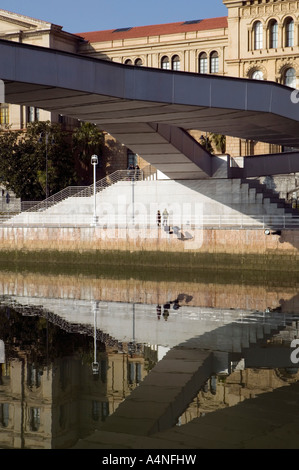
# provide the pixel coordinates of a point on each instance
(23, 21)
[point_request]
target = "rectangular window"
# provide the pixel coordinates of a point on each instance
(132, 159)
(290, 34)
(4, 114)
(32, 114)
(214, 64)
(258, 36)
(105, 410)
(274, 36)
(203, 65)
(4, 415)
(34, 419)
(176, 65)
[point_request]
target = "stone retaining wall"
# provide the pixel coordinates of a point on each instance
(230, 241)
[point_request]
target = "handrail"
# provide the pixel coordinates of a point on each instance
(55, 198)
(220, 222)
(87, 191)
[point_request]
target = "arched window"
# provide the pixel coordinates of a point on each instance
(128, 62)
(273, 34)
(214, 62)
(258, 35)
(165, 63)
(176, 63)
(290, 78)
(138, 62)
(203, 63)
(257, 75)
(289, 32)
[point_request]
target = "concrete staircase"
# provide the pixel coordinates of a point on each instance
(273, 196)
(209, 200)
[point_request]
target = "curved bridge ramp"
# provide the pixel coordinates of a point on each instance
(130, 102)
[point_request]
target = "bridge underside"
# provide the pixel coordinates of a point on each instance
(151, 110)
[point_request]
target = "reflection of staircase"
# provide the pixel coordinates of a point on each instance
(271, 195)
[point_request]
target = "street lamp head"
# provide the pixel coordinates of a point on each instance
(94, 160)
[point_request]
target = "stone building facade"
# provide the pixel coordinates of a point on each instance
(258, 39)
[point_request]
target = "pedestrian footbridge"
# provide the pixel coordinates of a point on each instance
(151, 110)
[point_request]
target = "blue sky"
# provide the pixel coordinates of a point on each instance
(91, 15)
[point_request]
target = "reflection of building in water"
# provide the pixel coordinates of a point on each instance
(54, 406)
(223, 391)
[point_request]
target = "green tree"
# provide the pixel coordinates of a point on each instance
(28, 160)
(219, 141)
(205, 142)
(87, 140)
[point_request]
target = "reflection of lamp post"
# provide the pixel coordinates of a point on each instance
(2, 352)
(95, 364)
(132, 344)
(94, 162)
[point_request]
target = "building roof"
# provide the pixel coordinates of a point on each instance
(155, 30)
(20, 19)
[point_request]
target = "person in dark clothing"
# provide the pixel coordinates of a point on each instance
(137, 173)
(159, 219)
(159, 311)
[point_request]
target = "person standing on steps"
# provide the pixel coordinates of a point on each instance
(165, 217)
(159, 311)
(137, 173)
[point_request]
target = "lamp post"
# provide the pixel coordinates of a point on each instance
(46, 135)
(47, 192)
(94, 162)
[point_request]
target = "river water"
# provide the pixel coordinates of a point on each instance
(148, 360)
